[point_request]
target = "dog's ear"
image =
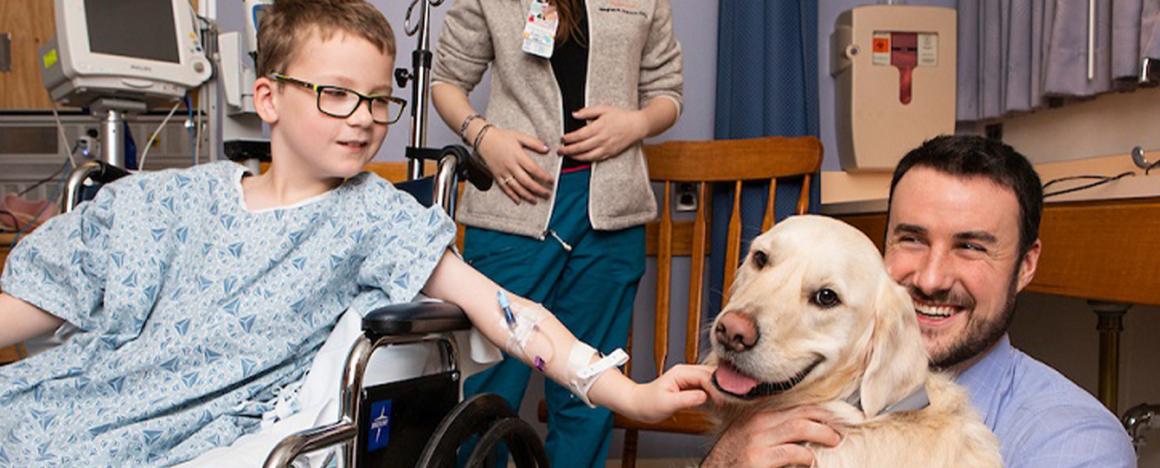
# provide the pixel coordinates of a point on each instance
(897, 361)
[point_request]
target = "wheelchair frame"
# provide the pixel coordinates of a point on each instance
(487, 416)
(410, 323)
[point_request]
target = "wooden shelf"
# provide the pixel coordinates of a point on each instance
(1103, 250)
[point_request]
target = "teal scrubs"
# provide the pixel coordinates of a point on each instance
(591, 290)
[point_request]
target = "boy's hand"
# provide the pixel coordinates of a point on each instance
(679, 388)
(517, 175)
(609, 131)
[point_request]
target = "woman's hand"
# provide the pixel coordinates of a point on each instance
(609, 131)
(679, 388)
(516, 174)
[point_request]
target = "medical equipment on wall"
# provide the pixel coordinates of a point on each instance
(241, 130)
(894, 70)
(114, 67)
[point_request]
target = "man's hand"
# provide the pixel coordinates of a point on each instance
(773, 439)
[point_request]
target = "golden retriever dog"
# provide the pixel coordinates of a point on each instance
(814, 319)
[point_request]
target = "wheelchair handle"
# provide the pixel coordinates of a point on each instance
(468, 166)
(98, 171)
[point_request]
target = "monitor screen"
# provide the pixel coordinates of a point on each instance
(111, 33)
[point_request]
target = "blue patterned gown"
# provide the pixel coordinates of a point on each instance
(193, 310)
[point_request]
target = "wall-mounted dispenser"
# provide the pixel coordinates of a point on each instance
(894, 67)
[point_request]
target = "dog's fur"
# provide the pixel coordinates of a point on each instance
(869, 342)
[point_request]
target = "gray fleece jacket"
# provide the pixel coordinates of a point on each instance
(632, 59)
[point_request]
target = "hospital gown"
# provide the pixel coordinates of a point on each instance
(192, 310)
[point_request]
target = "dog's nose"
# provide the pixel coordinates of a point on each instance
(736, 331)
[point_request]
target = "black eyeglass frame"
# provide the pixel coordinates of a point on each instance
(319, 89)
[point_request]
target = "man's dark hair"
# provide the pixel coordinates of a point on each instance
(974, 156)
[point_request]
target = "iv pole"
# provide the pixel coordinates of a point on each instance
(420, 73)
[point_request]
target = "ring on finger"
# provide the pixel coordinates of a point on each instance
(506, 180)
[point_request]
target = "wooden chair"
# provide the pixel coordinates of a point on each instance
(703, 163)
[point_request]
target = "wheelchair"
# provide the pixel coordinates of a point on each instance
(415, 422)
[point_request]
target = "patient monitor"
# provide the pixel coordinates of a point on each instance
(142, 50)
(894, 68)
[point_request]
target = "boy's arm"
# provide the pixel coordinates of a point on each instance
(456, 282)
(20, 321)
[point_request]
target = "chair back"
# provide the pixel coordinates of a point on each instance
(730, 162)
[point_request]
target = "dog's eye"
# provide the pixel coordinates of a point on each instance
(825, 298)
(760, 259)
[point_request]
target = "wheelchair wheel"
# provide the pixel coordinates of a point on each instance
(491, 419)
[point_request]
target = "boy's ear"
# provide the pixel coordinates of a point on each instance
(266, 99)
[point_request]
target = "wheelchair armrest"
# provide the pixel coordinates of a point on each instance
(416, 318)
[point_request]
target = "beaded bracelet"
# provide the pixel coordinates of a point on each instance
(479, 136)
(466, 122)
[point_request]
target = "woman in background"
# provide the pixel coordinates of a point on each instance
(575, 87)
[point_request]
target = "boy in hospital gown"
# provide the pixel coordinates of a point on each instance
(197, 293)
(193, 309)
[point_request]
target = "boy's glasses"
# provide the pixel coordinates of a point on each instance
(340, 102)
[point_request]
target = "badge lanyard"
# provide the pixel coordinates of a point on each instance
(540, 29)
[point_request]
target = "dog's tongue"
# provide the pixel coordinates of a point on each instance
(732, 381)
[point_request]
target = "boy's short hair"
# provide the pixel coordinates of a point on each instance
(284, 25)
(975, 156)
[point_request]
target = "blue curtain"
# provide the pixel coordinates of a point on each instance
(767, 84)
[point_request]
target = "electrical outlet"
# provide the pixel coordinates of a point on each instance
(89, 145)
(686, 197)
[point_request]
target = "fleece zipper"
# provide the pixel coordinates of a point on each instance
(559, 167)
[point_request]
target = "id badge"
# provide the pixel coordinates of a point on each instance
(540, 29)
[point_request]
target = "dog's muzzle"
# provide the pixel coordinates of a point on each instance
(733, 382)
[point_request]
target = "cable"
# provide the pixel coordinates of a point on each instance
(197, 134)
(60, 131)
(45, 180)
(149, 144)
(15, 221)
(1150, 167)
(1099, 180)
(19, 232)
(189, 129)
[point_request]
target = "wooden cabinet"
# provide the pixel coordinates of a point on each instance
(29, 24)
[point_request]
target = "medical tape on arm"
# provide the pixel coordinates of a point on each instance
(520, 327)
(583, 372)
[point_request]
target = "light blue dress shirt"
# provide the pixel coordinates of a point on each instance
(1041, 418)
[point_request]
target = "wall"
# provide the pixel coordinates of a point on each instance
(1108, 124)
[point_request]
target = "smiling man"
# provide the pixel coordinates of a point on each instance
(962, 237)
